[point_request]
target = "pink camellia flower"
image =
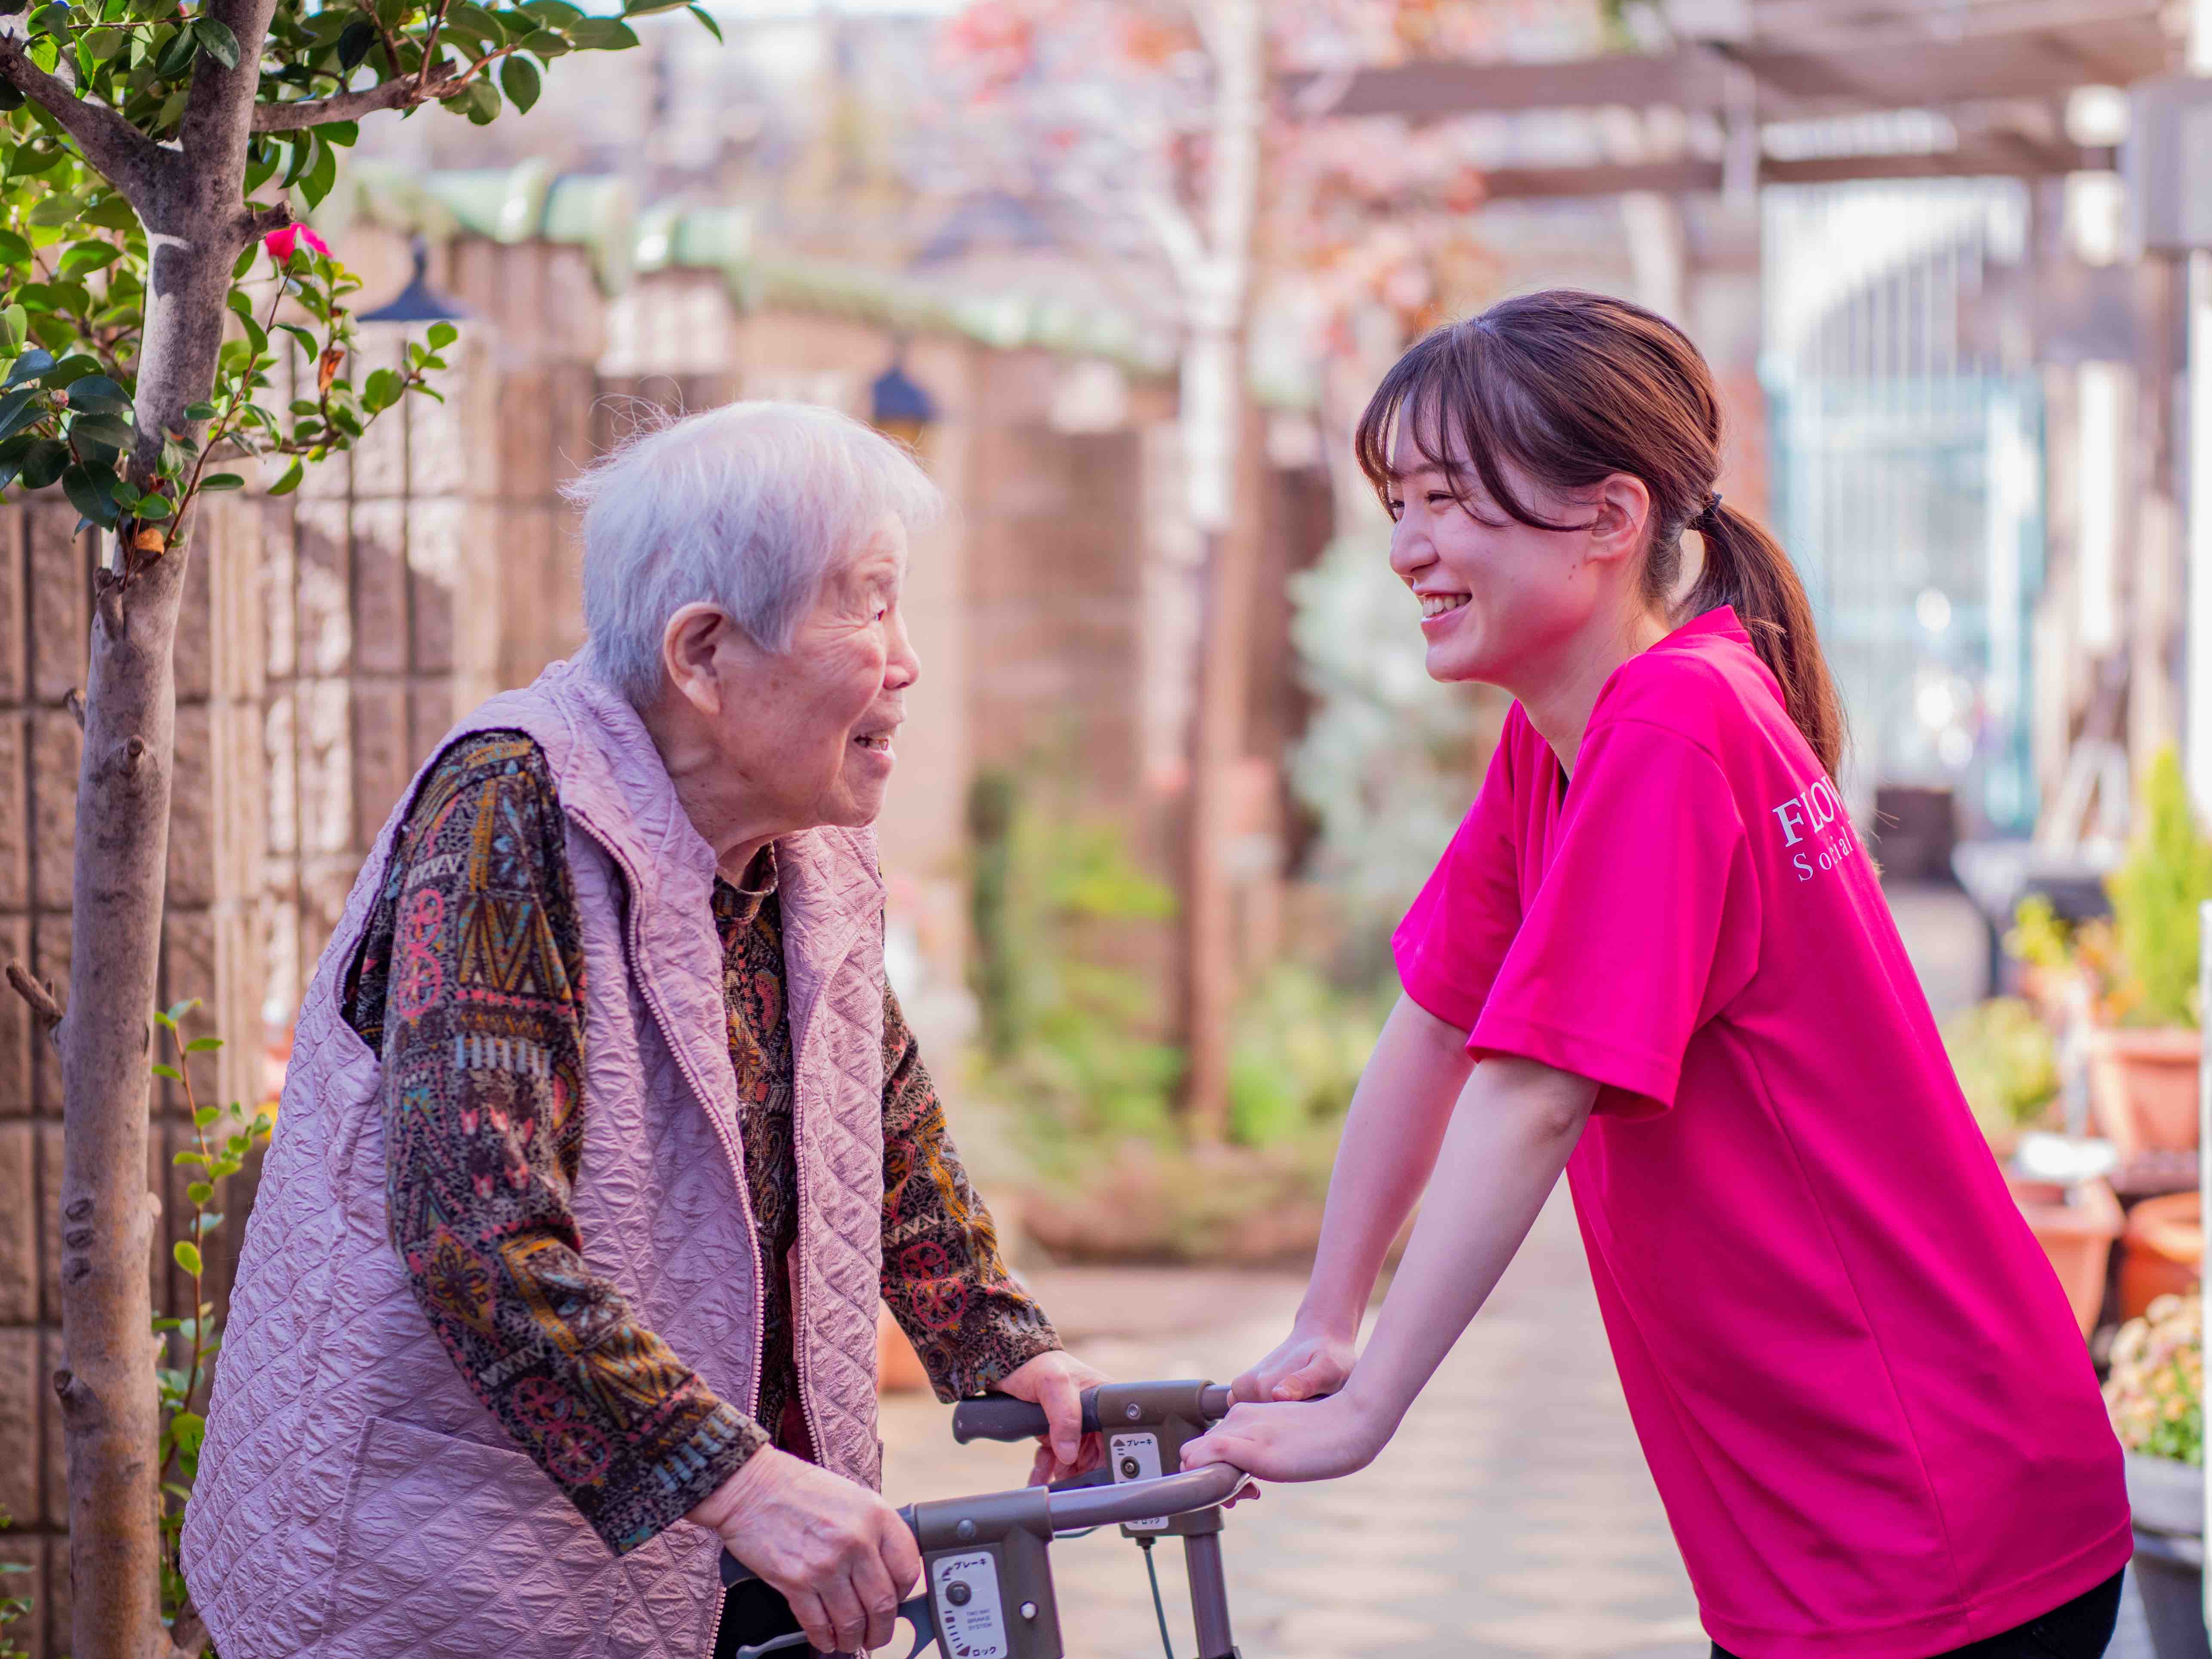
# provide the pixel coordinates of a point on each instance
(281, 243)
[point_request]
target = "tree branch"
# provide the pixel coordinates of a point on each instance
(404, 93)
(267, 221)
(40, 997)
(188, 1637)
(128, 159)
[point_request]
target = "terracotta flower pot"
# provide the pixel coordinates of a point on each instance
(2076, 1236)
(898, 1368)
(2162, 1251)
(2143, 1083)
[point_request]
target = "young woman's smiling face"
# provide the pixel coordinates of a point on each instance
(1497, 596)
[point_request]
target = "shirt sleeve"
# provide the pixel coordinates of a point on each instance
(1451, 942)
(970, 1323)
(1645, 925)
(483, 1045)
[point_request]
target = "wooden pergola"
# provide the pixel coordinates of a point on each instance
(1996, 73)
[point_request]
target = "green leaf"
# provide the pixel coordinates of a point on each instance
(204, 1045)
(86, 486)
(28, 367)
(475, 20)
(13, 251)
(187, 1254)
(44, 462)
(244, 263)
(125, 492)
(316, 182)
(108, 431)
(71, 370)
(152, 508)
(442, 335)
(353, 45)
(603, 34)
(481, 103)
(216, 40)
(19, 410)
(177, 1010)
(103, 44)
(206, 1116)
(704, 17)
(88, 256)
(200, 1192)
(112, 212)
(222, 481)
(97, 394)
(177, 56)
(342, 133)
(189, 1156)
(202, 411)
(52, 20)
(290, 480)
(385, 388)
(518, 78)
(645, 8)
(165, 1324)
(559, 14)
(162, 1068)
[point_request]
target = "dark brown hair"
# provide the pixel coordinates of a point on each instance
(1571, 388)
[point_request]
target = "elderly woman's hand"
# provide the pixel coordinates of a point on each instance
(837, 1552)
(1056, 1380)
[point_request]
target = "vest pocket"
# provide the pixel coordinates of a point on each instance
(449, 1547)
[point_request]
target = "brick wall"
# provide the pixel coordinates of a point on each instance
(210, 951)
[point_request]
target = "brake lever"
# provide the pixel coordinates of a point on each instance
(915, 1613)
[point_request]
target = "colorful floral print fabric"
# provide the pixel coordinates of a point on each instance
(469, 984)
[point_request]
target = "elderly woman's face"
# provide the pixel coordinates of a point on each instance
(812, 730)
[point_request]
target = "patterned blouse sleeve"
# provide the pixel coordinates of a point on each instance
(970, 1323)
(482, 1039)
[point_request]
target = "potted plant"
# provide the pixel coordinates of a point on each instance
(2155, 1394)
(2007, 1069)
(2143, 1067)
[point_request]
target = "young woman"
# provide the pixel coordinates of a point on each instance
(1655, 956)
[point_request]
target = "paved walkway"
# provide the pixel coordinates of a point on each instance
(1511, 1517)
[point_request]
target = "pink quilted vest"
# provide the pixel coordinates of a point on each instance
(354, 1496)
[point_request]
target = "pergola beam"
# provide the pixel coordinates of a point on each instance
(2042, 62)
(1981, 159)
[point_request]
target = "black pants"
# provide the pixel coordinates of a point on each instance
(753, 1613)
(2079, 1630)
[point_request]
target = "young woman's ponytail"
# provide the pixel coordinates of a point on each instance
(1573, 387)
(1745, 568)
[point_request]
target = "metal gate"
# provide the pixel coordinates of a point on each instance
(1907, 482)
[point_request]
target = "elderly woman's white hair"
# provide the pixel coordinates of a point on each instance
(746, 508)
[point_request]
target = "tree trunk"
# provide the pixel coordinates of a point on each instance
(111, 1411)
(1218, 731)
(1217, 435)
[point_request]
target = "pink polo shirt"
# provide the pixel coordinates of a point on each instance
(1865, 1402)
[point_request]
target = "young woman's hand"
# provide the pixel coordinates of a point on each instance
(1304, 1440)
(1309, 1364)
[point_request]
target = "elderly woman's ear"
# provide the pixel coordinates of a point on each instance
(693, 650)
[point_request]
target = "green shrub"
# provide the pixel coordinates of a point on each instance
(2007, 1065)
(2156, 894)
(1299, 1046)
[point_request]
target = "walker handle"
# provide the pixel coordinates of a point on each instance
(1002, 1417)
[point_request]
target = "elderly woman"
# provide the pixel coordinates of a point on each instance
(603, 1133)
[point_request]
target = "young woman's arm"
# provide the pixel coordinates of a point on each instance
(1509, 1139)
(1390, 1138)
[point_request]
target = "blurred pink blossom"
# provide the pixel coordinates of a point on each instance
(281, 243)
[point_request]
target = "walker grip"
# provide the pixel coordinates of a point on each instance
(1002, 1417)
